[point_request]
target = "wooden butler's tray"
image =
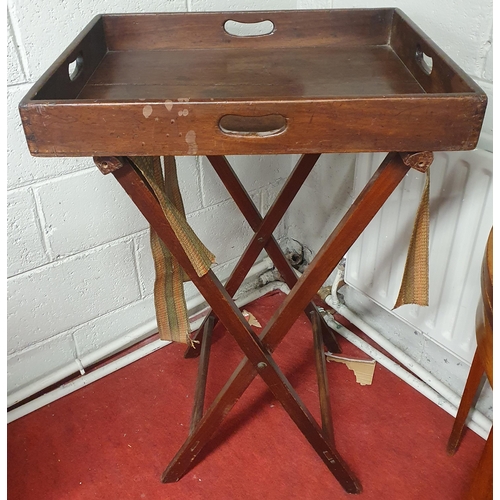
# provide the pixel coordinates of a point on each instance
(320, 81)
(314, 82)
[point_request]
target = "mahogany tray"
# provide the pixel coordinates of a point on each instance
(197, 83)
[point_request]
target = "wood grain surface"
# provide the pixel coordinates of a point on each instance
(347, 80)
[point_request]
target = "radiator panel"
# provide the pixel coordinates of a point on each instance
(461, 216)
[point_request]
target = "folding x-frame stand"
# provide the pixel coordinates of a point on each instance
(258, 349)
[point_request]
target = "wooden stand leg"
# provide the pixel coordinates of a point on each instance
(369, 201)
(384, 181)
(482, 483)
(265, 227)
(201, 381)
(474, 378)
(263, 237)
(235, 323)
(258, 350)
(214, 416)
(324, 394)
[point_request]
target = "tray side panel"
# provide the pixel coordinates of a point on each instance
(409, 42)
(206, 30)
(90, 50)
(418, 123)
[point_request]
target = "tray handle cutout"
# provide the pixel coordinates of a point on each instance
(75, 67)
(246, 30)
(423, 60)
(253, 126)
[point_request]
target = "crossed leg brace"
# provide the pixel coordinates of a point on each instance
(258, 349)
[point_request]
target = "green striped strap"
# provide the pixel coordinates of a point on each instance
(170, 302)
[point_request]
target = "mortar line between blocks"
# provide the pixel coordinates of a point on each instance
(25, 84)
(198, 180)
(225, 201)
(59, 260)
(137, 268)
(74, 329)
(42, 182)
(17, 38)
(201, 176)
(226, 268)
(486, 47)
(39, 343)
(41, 224)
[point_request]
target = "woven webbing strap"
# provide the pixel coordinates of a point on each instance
(170, 303)
(415, 284)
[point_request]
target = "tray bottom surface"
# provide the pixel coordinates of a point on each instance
(308, 72)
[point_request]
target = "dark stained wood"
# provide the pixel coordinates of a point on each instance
(420, 161)
(481, 487)
(256, 91)
(334, 125)
(483, 357)
(482, 482)
(327, 333)
(205, 30)
(344, 81)
(264, 228)
(201, 381)
(201, 75)
(367, 204)
(409, 41)
(107, 164)
(259, 357)
(474, 378)
(324, 395)
(55, 83)
(484, 335)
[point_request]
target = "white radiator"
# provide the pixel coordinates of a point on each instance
(461, 215)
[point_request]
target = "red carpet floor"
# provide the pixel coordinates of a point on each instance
(113, 438)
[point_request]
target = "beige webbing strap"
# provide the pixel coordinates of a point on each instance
(415, 284)
(170, 303)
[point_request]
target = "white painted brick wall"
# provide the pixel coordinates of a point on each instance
(239, 5)
(15, 72)
(80, 272)
(35, 362)
(99, 332)
(58, 296)
(25, 246)
(83, 210)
